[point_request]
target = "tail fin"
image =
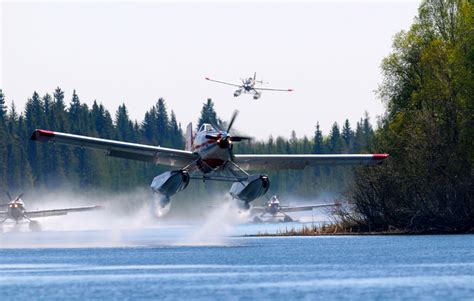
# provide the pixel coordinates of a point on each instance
(189, 137)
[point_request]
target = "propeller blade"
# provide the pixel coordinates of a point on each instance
(234, 115)
(240, 138)
(231, 154)
(9, 196)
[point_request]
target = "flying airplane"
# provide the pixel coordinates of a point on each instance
(208, 156)
(16, 211)
(248, 86)
(275, 210)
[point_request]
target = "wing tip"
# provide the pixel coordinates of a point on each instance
(42, 135)
(207, 78)
(380, 157)
(290, 90)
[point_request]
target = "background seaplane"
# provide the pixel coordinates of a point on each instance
(17, 213)
(273, 210)
(208, 156)
(248, 86)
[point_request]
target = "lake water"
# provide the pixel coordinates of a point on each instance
(160, 264)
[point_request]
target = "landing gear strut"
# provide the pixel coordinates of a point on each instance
(34, 226)
(287, 219)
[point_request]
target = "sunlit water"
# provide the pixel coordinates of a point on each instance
(162, 263)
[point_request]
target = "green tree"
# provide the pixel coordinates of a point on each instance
(347, 137)
(318, 140)
(208, 114)
(426, 185)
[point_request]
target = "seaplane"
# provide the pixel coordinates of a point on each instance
(15, 211)
(207, 156)
(248, 86)
(274, 211)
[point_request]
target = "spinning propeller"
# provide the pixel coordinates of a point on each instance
(223, 138)
(10, 199)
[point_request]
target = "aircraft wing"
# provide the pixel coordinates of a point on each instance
(271, 89)
(141, 152)
(221, 82)
(55, 212)
(306, 208)
(273, 162)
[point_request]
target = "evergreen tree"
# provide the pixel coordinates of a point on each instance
(34, 118)
(176, 133)
(347, 136)
(124, 125)
(149, 127)
(13, 149)
(3, 108)
(318, 140)
(59, 121)
(3, 141)
(162, 122)
(208, 115)
(335, 139)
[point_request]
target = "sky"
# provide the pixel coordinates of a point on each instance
(118, 52)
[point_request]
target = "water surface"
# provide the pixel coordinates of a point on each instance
(153, 264)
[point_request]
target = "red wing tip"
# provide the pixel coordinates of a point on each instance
(207, 78)
(42, 135)
(290, 90)
(380, 156)
(99, 207)
(46, 132)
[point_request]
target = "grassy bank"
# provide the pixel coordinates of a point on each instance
(338, 229)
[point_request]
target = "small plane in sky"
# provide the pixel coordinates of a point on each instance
(208, 156)
(15, 210)
(248, 86)
(274, 210)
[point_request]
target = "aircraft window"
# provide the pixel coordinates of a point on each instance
(209, 128)
(201, 128)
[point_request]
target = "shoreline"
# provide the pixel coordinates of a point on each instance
(335, 230)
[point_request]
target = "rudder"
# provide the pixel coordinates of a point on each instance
(189, 137)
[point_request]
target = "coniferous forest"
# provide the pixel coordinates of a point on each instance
(428, 130)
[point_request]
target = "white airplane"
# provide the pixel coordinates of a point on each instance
(16, 211)
(208, 156)
(248, 86)
(275, 210)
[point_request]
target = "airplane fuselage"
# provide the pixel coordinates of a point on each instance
(15, 211)
(213, 152)
(273, 208)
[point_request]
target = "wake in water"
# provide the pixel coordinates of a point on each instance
(217, 226)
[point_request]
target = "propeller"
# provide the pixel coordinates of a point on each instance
(19, 197)
(224, 139)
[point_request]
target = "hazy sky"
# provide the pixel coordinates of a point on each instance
(135, 52)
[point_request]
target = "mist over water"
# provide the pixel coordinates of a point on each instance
(128, 219)
(217, 224)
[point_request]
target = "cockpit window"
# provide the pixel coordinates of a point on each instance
(209, 128)
(206, 127)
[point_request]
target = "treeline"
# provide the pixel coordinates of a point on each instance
(27, 165)
(428, 129)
